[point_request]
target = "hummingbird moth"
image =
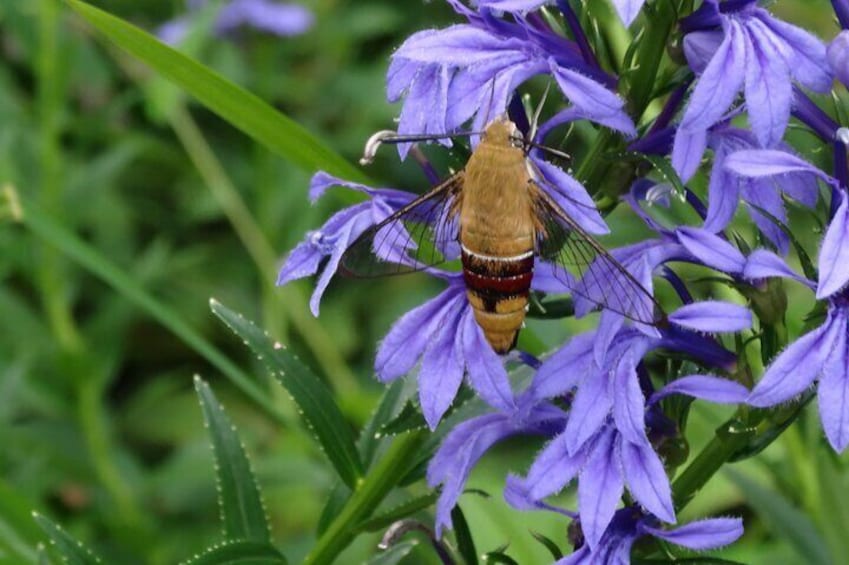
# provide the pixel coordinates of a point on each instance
(498, 216)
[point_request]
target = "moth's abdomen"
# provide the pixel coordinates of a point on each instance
(498, 289)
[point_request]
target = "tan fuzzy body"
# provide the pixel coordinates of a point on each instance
(497, 232)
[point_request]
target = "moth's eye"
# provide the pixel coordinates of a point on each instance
(517, 141)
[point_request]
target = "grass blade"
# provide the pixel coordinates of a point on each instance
(73, 552)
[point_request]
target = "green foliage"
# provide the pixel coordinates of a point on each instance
(134, 205)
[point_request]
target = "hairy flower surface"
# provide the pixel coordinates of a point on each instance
(736, 46)
(630, 524)
(470, 71)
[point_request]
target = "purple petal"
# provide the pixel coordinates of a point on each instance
(629, 404)
(571, 196)
(759, 163)
(628, 9)
(344, 237)
(322, 181)
(761, 194)
(711, 250)
(719, 84)
(706, 387)
(763, 264)
(810, 59)
(462, 45)
(702, 534)
(833, 392)
(619, 121)
(455, 458)
(520, 6)
(600, 486)
(712, 316)
(768, 90)
(303, 261)
(565, 368)
(723, 193)
(553, 469)
(487, 374)
(609, 325)
(442, 366)
(647, 479)
(589, 411)
(687, 151)
(700, 47)
(590, 96)
(400, 350)
(549, 278)
(834, 255)
(794, 370)
(838, 56)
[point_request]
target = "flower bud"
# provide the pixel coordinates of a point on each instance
(838, 56)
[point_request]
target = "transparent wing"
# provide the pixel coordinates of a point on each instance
(588, 270)
(421, 234)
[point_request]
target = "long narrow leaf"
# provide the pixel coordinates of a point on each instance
(239, 553)
(234, 104)
(73, 552)
(312, 396)
(242, 512)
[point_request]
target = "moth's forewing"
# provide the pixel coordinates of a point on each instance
(585, 267)
(421, 234)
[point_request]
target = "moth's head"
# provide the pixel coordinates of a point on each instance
(503, 131)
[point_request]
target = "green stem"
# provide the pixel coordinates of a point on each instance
(730, 438)
(370, 492)
(261, 252)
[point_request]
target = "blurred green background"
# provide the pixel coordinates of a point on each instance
(99, 423)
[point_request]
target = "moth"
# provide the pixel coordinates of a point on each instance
(499, 216)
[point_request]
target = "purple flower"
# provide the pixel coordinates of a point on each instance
(263, 15)
(604, 443)
(761, 195)
(738, 46)
(822, 353)
(465, 445)
(470, 70)
(630, 524)
(337, 234)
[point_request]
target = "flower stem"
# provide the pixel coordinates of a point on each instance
(369, 493)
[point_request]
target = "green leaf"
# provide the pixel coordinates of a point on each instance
(409, 419)
(783, 519)
(549, 544)
(234, 104)
(394, 554)
(399, 512)
(18, 533)
(242, 511)
(499, 556)
(73, 552)
(241, 552)
(312, 396)
(463, 535)
(371, 436)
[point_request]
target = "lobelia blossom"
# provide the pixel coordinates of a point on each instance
(630, 524)
(470, 70)
(820, 355)
(838, 56)
(263, 15)
(338, 233)
(734, 46)
(602, 439)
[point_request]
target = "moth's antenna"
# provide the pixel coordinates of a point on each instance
(532, 133)
(549, 150)
(392, 137)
